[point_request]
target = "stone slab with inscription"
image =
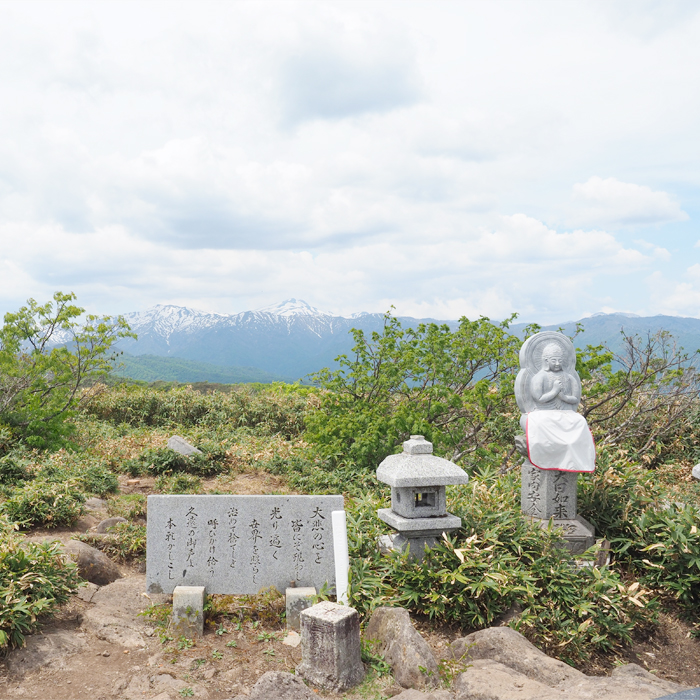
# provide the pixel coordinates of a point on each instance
(547, 494)
(240, 544)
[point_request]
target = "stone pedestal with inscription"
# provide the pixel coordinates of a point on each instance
(551, 496)
(330, 643)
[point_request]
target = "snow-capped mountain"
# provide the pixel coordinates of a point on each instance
(291, 338)
(292, 307)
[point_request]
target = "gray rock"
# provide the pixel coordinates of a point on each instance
(413, 694)
(490, 680)
(43, 649)
(504, 665)
(692, 694)
(114, 616)
(510, 648)
(96, 504)
(104, 525)
(179, 444)
(403, 647)
(696, 471)
(93, 565)
(87, 592)
(279, 685)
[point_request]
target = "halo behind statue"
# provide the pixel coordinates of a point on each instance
(531, 363)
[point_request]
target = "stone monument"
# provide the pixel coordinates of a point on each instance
(240, 544)
(557, 443)
(418, 500)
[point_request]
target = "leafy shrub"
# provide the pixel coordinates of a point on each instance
(178, 483)
(311, 474)
(12, 470)
(615, 494)
(85, 473)
(128, 505)
(98, 479)
(34, 580)
(163, 460)
(664, 550)
(496, 560)
(276, 409)
(123, 541)
(44, 503)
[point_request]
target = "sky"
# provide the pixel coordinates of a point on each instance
(445, 158)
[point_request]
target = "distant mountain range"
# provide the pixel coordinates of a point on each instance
(289, 340)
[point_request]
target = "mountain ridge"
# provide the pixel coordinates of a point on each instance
(293, 339)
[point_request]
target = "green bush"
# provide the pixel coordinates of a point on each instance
(310, 474)
(163, 460)
(178, 483)
(34, 580)
(275, 410)
(128, 505)
(44, 503)
(496, 560)
(13, 470)
(124, 541)
(664, 551)
(615, 494)
(85, 473)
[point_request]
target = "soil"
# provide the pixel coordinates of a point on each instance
(234, 653)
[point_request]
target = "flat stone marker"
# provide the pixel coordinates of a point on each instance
(240, 544)
(179, 444)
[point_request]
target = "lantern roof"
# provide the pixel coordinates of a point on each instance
(418, 466)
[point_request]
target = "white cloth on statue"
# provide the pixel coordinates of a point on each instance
(560, 440)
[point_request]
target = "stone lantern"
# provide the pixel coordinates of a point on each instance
(418, 504)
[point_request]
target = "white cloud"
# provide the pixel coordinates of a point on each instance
(353, 154)
(609, 201)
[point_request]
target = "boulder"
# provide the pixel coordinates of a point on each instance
(43, 649)
(510, 648)
(104, 525)
(413, 694)
(403, 648)
(114, 616)
(93, 565)
(279, 685)
(503, 665)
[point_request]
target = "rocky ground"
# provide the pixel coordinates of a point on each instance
(100, 647)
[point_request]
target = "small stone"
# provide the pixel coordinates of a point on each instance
(298, 599)
(105, 653)
(696, 471)
(280, 685)
(293, 639)
(209, 674)
(104, 525)
(95, 504)
(93, 565)
(87, 592)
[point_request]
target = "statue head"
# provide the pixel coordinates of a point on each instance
(552, 357)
